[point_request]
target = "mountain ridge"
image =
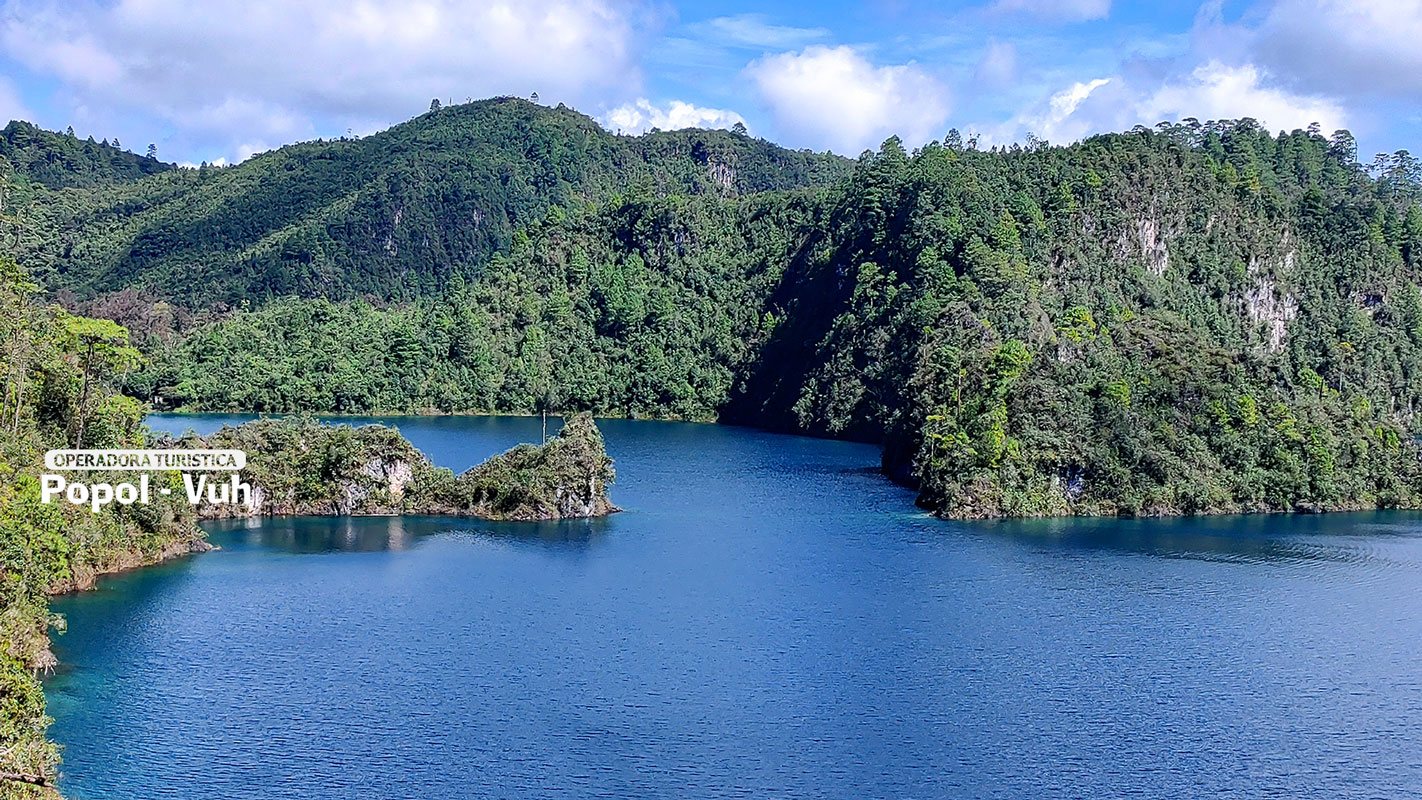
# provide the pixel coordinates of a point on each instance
(1197, 318)
(59, 160)
(393, 215)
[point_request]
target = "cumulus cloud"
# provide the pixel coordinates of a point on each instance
(1349, 48)
(833, 97)
(225, 78)
(1055, 10)
(233, 71)
(1213, 90)
(1218, 91)
(1061, 121)
(642, 115)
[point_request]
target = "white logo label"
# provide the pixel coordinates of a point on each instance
(198, 488)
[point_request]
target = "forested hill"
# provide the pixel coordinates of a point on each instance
(61, 160)
(1198, 318)
(394, 215)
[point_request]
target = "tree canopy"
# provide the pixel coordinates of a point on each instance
(1197, 317)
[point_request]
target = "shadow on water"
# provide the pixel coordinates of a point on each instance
(314, 535)
(1256, 538)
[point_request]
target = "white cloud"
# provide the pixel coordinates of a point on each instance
(1055, 10)
(642, 115)
(755, 31)
(224, 72)
(833, 97)
(1055, 120)
(1060, 121)
(1065, 103)
(1211, 91)
(1217, 91)
(1349, 48)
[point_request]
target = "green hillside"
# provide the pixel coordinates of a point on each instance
(59, 161)
(1200, 319)
(394, 215)
(1192, 319)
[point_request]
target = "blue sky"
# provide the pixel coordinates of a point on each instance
(221, 79)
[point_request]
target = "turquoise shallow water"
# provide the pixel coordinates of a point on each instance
(769, 618)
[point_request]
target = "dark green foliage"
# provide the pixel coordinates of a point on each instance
(567, 476)
(1199, 318)
(58, 161)
(299, 466)
(395, 215)
(647, 308)
(48, 548)
(1179, 322)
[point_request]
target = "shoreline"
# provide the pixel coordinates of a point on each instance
(435, 413)
(174, 550)
(929, 509)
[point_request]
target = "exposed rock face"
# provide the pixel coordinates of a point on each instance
(302, 467)
(385, 477)
(1146, 240)
(1265, 304)
(1153, 247)
(396, 475)
(724, 175)
(1273, 310)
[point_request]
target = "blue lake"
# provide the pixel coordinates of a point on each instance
(769, 618)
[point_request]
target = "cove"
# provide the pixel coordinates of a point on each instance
(769, 617)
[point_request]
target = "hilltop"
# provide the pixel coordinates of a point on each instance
(62, 160)
(1198, 318)
(394, 215)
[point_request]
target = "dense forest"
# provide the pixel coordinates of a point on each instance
(1203, 318)
(396, 215)
(1196, 318)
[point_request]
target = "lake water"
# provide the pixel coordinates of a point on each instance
(770, 618)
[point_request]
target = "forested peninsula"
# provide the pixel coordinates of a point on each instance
(61, 389)
(1202, 317)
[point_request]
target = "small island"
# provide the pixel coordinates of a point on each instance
(63, 392)
(298, 466)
